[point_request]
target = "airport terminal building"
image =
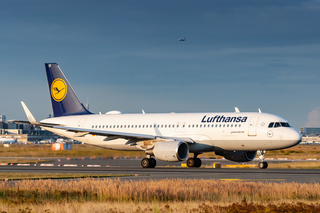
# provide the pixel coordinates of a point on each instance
(310, 131)
(23, 133)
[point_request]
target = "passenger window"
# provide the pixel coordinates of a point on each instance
(200, 125)
(239, 125)
(182, 126)
(128, 126)
(224, 125)
(270, 125)
(220, 125)
(235, 125)
(277, 124)
(96, 126)
(227, 125)
(124, 126)
(121, 126)
(204, 125)
(139, 126)
(165, 126)
(162, 126)
(197, 126)
(231, 125)
(192, 125)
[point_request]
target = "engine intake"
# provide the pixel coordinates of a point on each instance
(238, 156)
(172, 151)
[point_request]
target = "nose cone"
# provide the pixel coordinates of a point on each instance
(294, 137)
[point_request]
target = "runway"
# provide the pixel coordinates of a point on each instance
(163, 171)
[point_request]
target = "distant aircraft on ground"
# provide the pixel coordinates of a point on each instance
(8, 140)
(182, 39)
(237, 136)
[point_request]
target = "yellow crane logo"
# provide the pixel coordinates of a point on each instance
(58, 89)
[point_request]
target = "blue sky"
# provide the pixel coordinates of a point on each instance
(125, 55)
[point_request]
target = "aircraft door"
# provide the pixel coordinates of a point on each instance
(252, 131)
(81, 122)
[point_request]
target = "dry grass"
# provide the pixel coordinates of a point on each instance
(171, 195)
(170, 190)
(36, 176)
(295, 165)
(79, 150)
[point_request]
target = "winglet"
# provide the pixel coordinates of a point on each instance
(28, 114)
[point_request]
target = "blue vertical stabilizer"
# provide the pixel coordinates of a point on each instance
(63, 98)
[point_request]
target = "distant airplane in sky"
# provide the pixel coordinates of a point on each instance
(237, 136)
(182, 39)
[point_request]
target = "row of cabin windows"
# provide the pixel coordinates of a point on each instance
(165, 126)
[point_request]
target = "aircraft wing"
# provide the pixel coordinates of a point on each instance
(110, 135)
(81, 132)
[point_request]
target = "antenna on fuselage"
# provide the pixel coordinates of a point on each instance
(236, 109)
(259, 110)
(143, 112)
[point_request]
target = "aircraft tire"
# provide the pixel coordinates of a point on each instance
(152, 162)
(263, 165)
(145, 162)
(190, 162)
(197, 162)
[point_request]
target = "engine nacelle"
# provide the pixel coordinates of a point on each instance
(238, 156)
(171, 151)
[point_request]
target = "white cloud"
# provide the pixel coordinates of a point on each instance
(314, 118)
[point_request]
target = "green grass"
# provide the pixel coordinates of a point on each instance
(38, 176)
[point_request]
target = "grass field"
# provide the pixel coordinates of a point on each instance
(170, 195)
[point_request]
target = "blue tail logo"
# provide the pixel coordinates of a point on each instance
(58, 89)
(64, 100)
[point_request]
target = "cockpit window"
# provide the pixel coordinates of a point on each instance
(285, 124)
(277, 124)
(270, 125)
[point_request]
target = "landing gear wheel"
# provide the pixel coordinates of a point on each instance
(263, 165)
(152, 162)
(194, 162)
(197, 162)
(148, 162)
(145, 162)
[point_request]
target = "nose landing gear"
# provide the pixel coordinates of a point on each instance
(262, 164)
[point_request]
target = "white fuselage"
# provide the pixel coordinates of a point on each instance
(209, 131)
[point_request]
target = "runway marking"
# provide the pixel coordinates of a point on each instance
(241, 166)
(252, 179)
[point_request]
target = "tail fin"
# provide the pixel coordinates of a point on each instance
(63, 98)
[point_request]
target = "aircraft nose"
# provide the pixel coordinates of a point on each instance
(295, 137)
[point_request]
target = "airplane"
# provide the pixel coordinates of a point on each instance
(8, 140)
(182, 39)
(237, 136)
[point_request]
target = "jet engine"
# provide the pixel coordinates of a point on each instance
(238, 156)
(172, 151)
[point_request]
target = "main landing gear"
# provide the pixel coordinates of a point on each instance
(262, 164)
(148, 162)
(194, 162)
